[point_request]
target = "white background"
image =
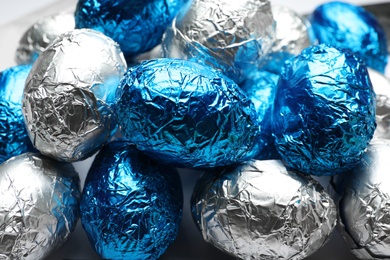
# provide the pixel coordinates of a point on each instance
(15, 17)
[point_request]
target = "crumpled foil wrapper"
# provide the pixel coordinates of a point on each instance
(291, 38)
(348, 26)
(381, 86)
(186, 114)
(260, 87)
(259, 210)
(364, 213)
(39, 206)
(324, 113)
(131, 207)
(231, 36)
(14, 139)
(137, 25)
(35, 40)
(70, 93)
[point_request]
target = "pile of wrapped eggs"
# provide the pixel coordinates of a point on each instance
(249, 92)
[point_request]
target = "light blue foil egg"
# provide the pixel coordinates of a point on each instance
(324, 111)
(136, 25)
(186, 114)
(260, 87)
(348, 26)
(131, 207)
(14, 138)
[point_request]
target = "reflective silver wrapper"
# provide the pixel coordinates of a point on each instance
(70, 94)
(231, 36)
(364, 206)
(261, 211)
(35, 40)
(381, 86)
(291, 38)
(39, 206)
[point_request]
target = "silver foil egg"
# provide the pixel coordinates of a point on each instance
(260, 210)
(291, 38)
(70, 93)
(35, 40)
(381, 86)
(39, 205)
(364, 205)
(231, 36)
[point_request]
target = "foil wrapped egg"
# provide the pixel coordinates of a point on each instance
(364, 214)
(324, 114)
(345, 25)
(14, 138)
(381, 86)
(291, 38)
(137, 25)
(70, 93)
(186, 114)
(39, 206)
(35, 40)
(260, 88)
(231, 36)
(131, 207)
(259, 210)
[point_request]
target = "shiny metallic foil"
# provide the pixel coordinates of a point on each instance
(131, 207)
(381, 86)
(348, 26)
(291, 38)
(324, 113)
(39, 205)
(186, 114)
(137, 25)
(14, 139)
(364, 206)
(260, 87)
(259, 210)
(70, 93)
(35, 40)
(231, 36)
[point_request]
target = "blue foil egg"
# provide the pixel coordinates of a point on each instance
(324, 111)
(260, 87)
(14, 138)
(348, 26)
(131, 207)
(137, 25)
(186, 114)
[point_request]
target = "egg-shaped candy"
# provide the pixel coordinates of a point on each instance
(70, 93)
(260, 88)
(43, 32)
(349, 26)
(364, 214)
(381, 86)
(131, 207)
(259, 210)
(231, 36)
(292, 36)
(14, 139)
(39, 205)
(324, 111)
(137, 25)
(186, 114)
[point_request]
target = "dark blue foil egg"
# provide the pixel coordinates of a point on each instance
(186, 114)
(348, 26)
(14, 139)
(324, 111)
(260, 87)
(137, 25)
(131, 207)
